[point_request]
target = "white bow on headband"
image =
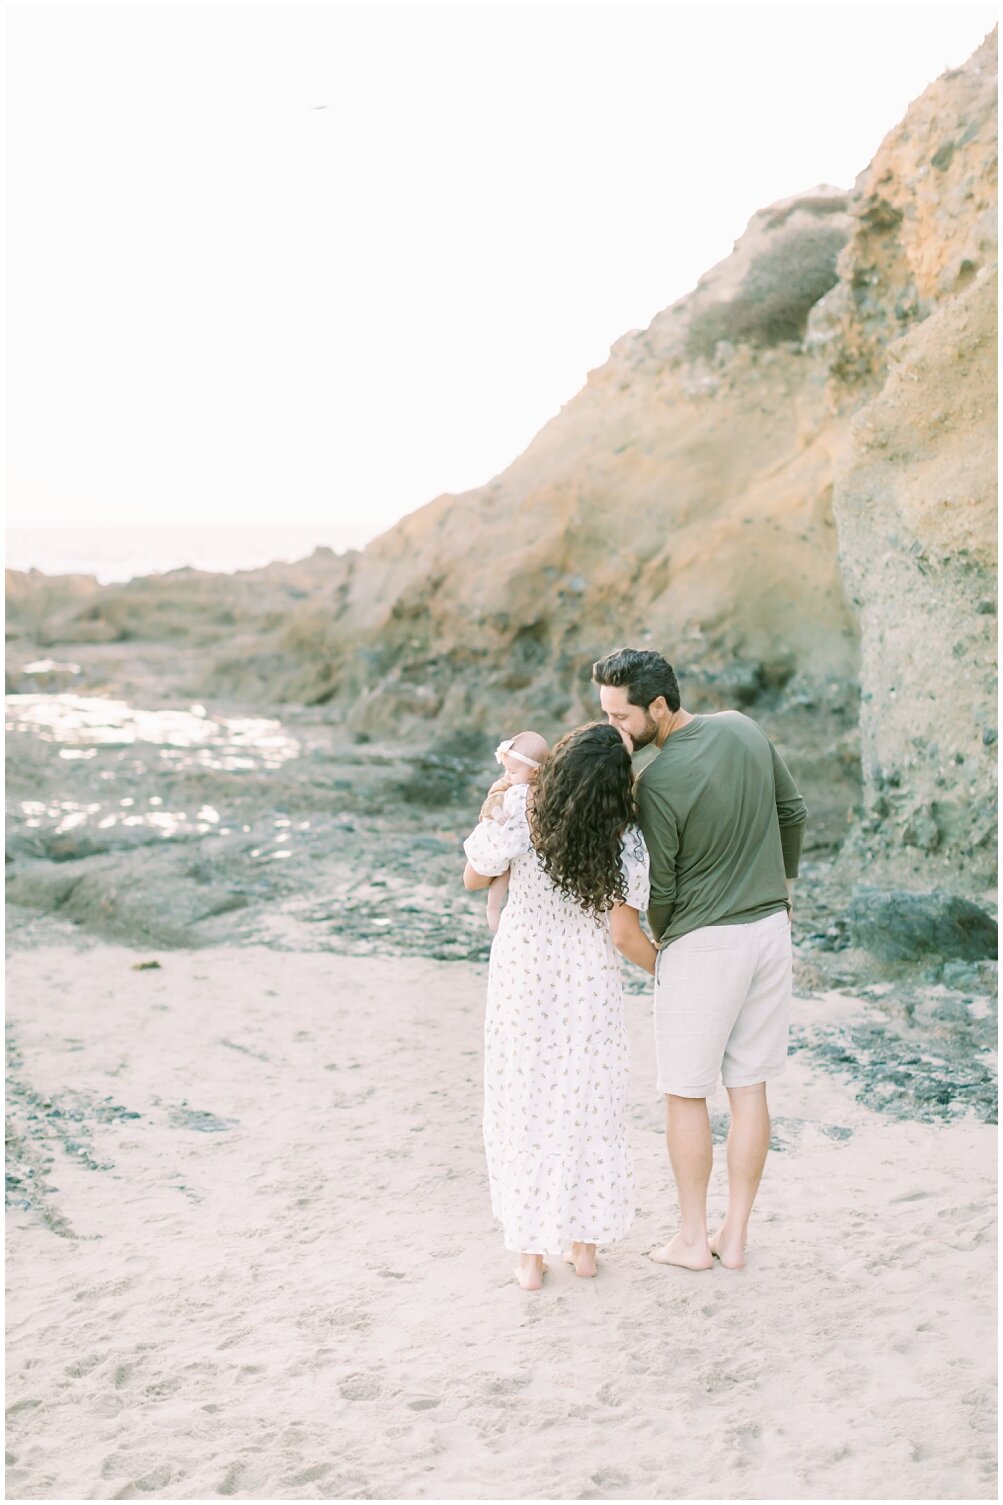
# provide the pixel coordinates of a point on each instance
(505, 749)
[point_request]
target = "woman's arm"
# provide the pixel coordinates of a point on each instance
(472, 879)
(630, 940)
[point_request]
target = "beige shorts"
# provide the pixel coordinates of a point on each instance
(722, 1006)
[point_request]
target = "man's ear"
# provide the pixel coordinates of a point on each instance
(658, 707)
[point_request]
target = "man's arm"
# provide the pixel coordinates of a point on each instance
(661, 836)
(792, 812)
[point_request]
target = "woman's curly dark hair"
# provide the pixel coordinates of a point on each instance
(581, 805)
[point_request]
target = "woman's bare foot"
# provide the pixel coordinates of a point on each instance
(728, 1249)
(679, 1252)
(529, 1271)
(583, 1257)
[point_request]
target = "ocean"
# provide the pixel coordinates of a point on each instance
(114, 554)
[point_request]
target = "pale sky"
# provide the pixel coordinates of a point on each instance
(227, 305)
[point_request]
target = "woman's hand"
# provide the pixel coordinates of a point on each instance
(630, 940)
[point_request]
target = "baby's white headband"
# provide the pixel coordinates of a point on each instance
(505, 749)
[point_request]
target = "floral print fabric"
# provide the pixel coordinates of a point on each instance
(555, 1050)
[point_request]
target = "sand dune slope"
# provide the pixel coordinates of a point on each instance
(281, 1279)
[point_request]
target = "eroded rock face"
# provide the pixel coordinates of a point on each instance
(923, 223)
(915, 491)
(682, 498)
(763, 294)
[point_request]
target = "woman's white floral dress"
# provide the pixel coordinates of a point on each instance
(555, 1050)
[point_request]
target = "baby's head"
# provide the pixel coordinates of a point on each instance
(523, 756)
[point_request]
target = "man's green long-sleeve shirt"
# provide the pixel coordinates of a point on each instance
(723, 822)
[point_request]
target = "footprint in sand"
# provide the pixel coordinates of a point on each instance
(348, 1317)
(230, 1483)
(310, 1475)
(158, 1478)
(360, 1387)
(22, 1405)
(610, 1478)
(234, 1338)
(506, 1384)
(81, 1367)
(745, 1437)
(161, 1389)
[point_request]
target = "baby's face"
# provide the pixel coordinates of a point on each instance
(518, 773)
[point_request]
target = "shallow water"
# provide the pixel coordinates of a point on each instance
(186, 738)
(178, 741)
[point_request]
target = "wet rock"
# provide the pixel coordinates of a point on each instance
(431, 785)
(129, 897)
(946, 1081)
(40, 886)
(953, 1010)
(899, 927)
(87, 841)
(965, 976)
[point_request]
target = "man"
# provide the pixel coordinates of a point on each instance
(724, 824)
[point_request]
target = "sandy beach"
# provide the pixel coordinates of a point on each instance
(256, 1259)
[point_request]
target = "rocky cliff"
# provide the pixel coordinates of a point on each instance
(682, 498)
(784, 484)
(911, 333)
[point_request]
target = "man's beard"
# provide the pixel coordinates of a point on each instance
(645, 738)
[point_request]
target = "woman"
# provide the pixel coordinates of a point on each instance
(555, 1045)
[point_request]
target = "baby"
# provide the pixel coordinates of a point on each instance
(522, 757)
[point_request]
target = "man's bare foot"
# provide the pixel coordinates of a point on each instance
(688, 1256)
(729, 1250)
(529, 1271)
(583, 1257)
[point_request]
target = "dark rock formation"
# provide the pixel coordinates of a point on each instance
(903, 927)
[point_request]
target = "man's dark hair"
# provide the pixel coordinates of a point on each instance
(644, 675)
